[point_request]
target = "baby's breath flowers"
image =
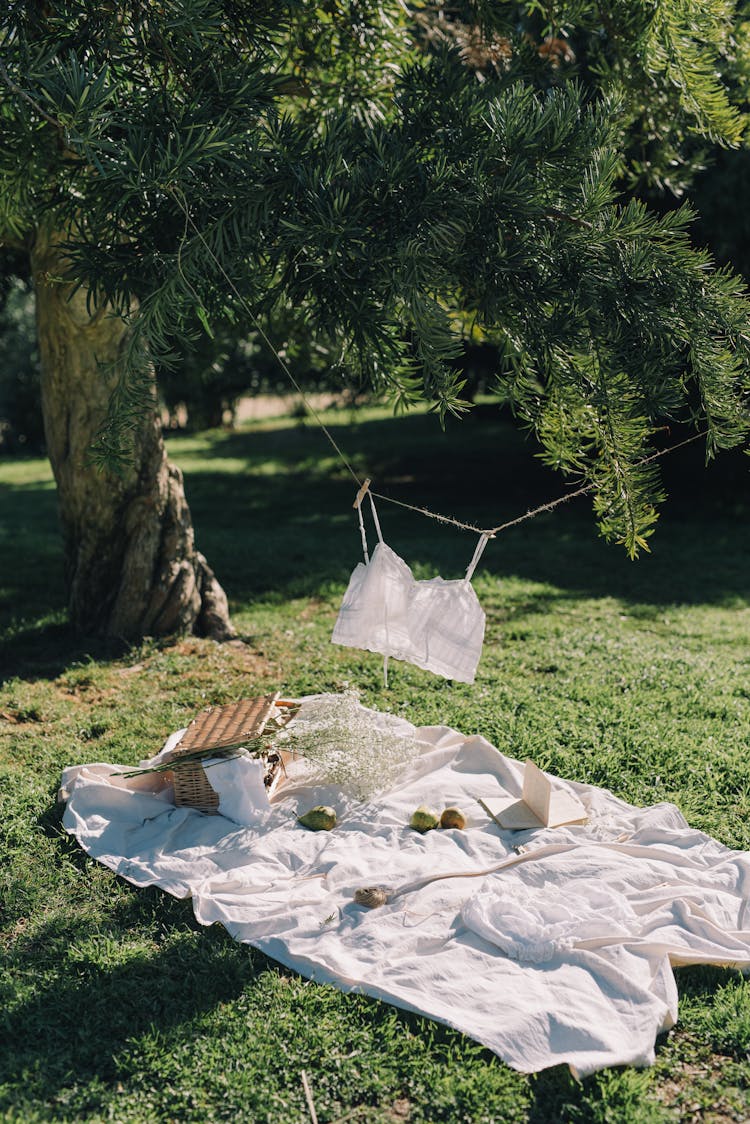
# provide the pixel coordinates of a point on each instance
(361, 751)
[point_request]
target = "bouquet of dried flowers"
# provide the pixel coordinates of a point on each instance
(360, 750)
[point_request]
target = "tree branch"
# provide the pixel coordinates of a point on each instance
(552, 213)
(15, 89)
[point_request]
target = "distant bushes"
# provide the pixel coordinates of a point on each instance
(200, 390)
(21, 423)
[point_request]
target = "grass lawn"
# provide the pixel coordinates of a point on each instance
(117, 1006)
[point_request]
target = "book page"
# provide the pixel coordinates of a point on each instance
(541, 806)
(537, 791)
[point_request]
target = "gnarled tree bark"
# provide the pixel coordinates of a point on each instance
(131, 563)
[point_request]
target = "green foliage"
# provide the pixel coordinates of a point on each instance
(728, 1022)
(677, 67)
(218, 163)
(116, 1005)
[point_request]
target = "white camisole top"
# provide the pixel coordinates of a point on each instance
(436, 624)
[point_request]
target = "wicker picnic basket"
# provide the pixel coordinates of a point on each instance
(220, 728)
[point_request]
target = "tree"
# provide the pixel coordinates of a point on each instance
(176, 165)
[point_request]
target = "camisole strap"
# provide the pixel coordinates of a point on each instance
(362, 531)
(363, 534)
(375, 516)
(483, 540)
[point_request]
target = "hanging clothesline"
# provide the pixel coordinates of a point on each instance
(485, 532)
(491, 532)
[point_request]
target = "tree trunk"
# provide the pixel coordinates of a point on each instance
(131, 563)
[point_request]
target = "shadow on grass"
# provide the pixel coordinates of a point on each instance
(72, 1026)
(276, 523)
(44, 649)
(87, 989)
(482, 471)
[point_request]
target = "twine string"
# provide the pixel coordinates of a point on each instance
(588, 487)
(489, 532)
(259, 328)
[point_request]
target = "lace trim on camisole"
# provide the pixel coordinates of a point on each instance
(436, 624)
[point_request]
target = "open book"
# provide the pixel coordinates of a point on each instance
(541, 805)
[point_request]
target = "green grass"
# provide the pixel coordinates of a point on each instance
(116, 1005)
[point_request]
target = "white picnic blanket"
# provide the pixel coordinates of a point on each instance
(562, 951)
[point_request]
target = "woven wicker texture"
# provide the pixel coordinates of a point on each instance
(192, 790)
(217, 727)
(222, 726)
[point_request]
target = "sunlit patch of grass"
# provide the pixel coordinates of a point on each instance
(114, 1004)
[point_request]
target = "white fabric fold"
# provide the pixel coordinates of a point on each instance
(656, 893)
(537, 923)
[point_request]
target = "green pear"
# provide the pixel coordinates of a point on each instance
(319, 818)
(423, 819)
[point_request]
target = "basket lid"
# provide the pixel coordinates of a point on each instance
(220, 726)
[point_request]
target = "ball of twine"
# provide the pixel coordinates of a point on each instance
(371, 896)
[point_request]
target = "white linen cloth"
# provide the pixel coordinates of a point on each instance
(597, 997)
(436, 624)
(536, 923)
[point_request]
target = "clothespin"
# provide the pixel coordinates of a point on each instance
(361, 494)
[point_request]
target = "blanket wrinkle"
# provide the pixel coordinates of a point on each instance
(662, 892)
